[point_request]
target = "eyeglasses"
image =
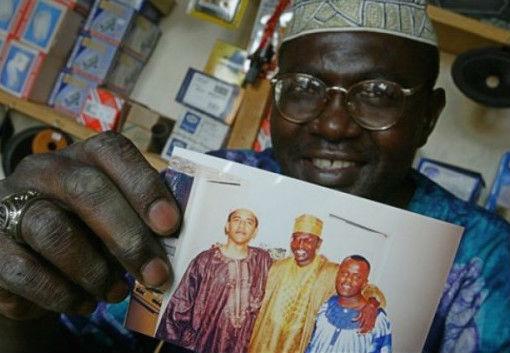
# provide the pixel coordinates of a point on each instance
(373, 104)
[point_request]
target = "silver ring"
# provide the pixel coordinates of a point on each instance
(12, 209)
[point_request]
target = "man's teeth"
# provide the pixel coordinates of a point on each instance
(331, 164)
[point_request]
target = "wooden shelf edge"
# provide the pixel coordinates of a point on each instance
(49, 116)
(458, 32)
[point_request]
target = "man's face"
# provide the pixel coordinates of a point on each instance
(332, 150)
(242, 226)
(304, 246)
(351, 278)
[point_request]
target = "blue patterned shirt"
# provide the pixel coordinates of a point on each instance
(473, 313)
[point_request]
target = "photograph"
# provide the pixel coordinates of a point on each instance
(266, 263)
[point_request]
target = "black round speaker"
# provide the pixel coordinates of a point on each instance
(484, 76)
(488, 9)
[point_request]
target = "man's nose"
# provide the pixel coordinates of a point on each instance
(335, 122)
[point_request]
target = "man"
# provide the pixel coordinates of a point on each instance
(335, 327)
(296, 288)
(102, 191)
(215, 305)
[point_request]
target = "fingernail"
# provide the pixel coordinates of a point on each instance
(163, 216)
(117, 292)
(87, 308)
(155, 273)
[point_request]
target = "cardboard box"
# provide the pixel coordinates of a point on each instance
(134, 4)
(49, 27)
(463, 183)
(138, 124)
(11, 12)
(124, 74)
(70, 93)
(28, 73)
(164, 6)
(3, 41)
(109, 21)
(92, 58)
(142, 38)
(197, 132)
(81, 6)
(102, 110)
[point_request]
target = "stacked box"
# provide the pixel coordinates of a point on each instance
(11, 12)
(49, 27)
(81, 6)
(197, 132)
(28, 73)
(109, 21)
(142, 38)
(70, 93)
(92, 58)
(138, 125)
(19, 66)
(134, 4)
(102, 110)
(124, 75)
(37, 48)
(3, 41)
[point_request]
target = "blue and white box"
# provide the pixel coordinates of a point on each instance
(499, 197)
(17, 68)
(463, 183)
(10, 11)
(70, 93)
(92, 58)
(109, 21)
(197, 132)
(43, 24)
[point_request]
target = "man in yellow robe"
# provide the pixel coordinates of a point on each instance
(295, 290)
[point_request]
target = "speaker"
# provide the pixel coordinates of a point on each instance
(484, 75)
(483, 9)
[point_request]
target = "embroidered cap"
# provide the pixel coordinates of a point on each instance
(403, 18)
(308, 224)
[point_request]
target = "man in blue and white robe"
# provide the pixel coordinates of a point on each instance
(336, 329)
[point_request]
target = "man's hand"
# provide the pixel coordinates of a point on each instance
(367, 316)
(102, 211)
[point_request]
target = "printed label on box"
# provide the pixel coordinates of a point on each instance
(17, 67)
(9, 11)
(109, 21)
(92, 58)
(190, 122)
(42, 25)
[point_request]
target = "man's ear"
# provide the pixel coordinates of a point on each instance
(433, 110)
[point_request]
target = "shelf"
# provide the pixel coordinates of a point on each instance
(51, 117)
(458, 33)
